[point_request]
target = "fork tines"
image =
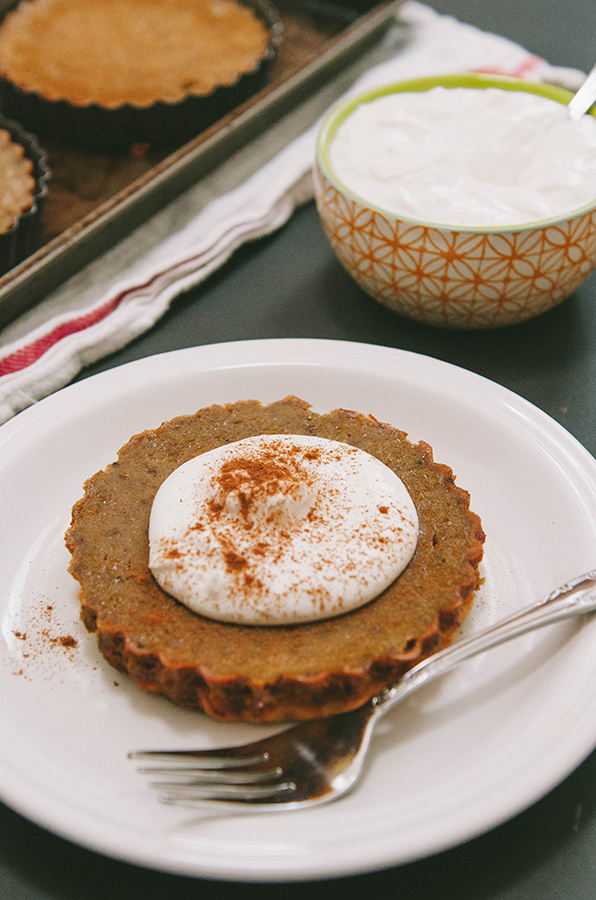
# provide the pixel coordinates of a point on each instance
(193, 776)
(201, 759)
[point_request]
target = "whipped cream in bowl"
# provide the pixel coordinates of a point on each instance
(280, 530)
(467, 157)
(465, 201)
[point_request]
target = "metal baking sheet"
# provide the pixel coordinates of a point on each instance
(96, 198)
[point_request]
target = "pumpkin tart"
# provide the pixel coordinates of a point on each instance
(23, 189)
(112, 70)
(268, 673)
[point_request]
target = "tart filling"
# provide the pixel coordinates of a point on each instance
(268, 673)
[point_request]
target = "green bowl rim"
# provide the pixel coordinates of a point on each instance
(343, 109)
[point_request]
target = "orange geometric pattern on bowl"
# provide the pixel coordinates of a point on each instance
(457, 279)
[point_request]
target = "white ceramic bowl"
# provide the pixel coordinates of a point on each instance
(453, 276)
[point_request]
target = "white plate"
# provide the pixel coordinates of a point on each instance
(452, 762)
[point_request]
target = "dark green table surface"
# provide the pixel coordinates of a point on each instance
(290, 285)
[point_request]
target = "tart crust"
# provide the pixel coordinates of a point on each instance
(268, 673)
(23, 189)
(17, 184)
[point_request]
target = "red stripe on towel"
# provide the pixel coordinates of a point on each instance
(29, 354)
(522, 70)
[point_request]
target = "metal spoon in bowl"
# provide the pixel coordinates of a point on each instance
(584, 98)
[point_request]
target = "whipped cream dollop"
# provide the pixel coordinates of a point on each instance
(280, 529)
(467, 156)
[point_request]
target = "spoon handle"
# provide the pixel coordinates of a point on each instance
(577, 597)
(584, 98)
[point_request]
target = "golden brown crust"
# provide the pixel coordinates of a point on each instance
(260, 673)
(139, 52)
(17, 184)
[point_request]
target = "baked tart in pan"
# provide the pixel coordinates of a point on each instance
(107, 72)
(24, 175)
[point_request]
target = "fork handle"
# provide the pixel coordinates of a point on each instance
(577, 597)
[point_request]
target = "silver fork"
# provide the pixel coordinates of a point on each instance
(320, 760)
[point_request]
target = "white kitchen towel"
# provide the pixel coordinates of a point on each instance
(49, 356)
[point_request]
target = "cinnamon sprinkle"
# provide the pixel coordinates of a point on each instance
(41, 638)
(255, 508)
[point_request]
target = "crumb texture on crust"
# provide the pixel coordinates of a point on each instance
(267, 673)
(136, 52)
(17, 183)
